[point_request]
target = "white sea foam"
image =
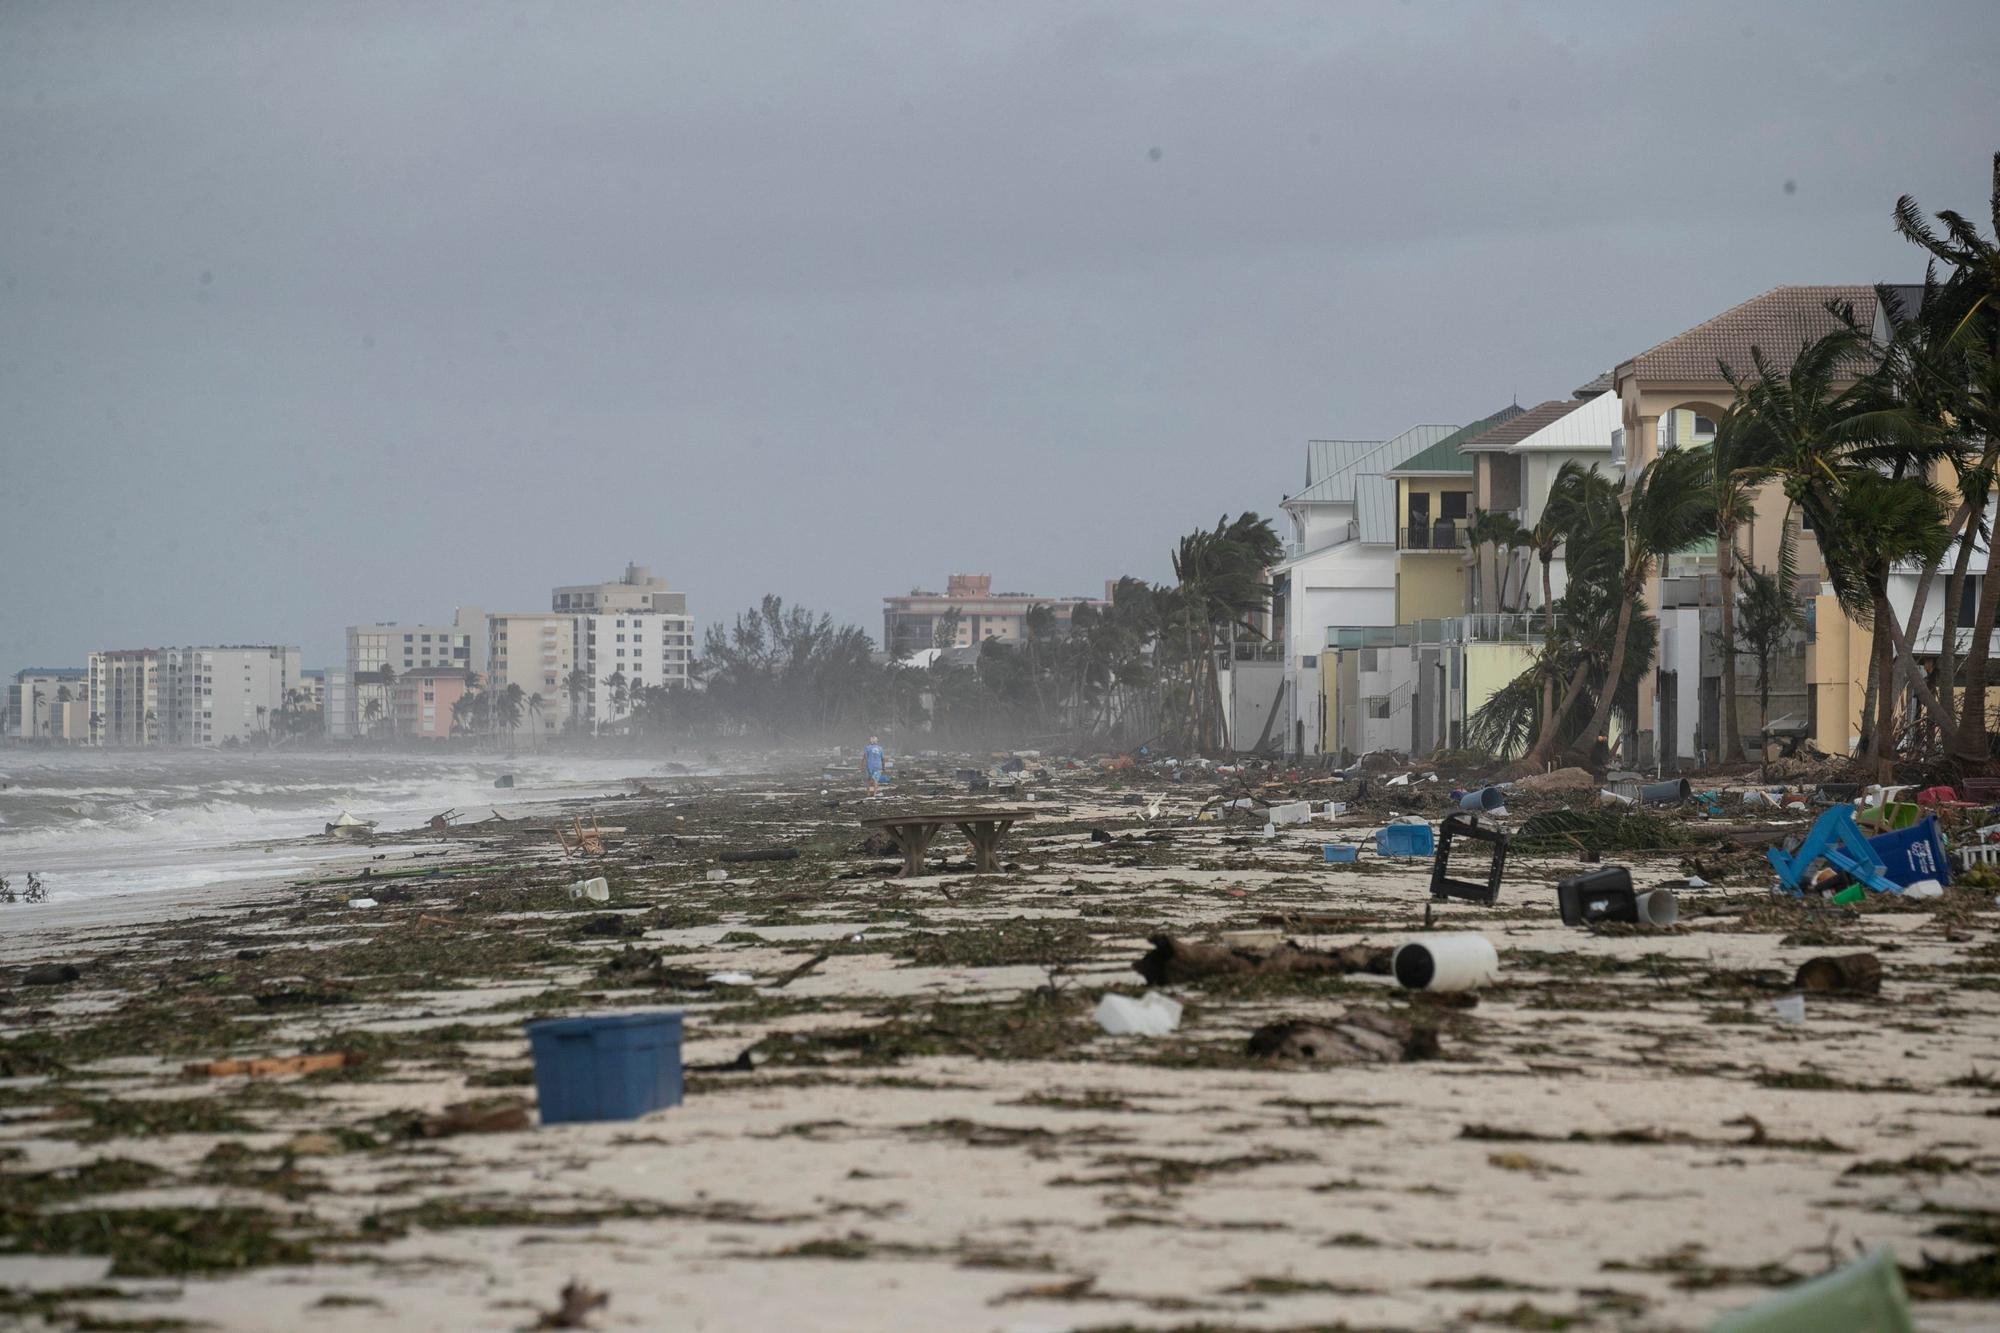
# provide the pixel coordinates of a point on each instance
(106, 822)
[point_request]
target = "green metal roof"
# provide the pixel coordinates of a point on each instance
(1445, 455)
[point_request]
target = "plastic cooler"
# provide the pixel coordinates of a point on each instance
(1338, 852)
(1914, 853)
(614, 1067)
(1405, 840)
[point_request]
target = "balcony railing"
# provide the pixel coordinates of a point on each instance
(1444, 534)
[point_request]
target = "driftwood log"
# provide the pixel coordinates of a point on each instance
(1174, 961)
(1357, 1037)
(1841, 974)
(740, 856)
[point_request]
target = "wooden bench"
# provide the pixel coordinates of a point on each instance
(914, 830)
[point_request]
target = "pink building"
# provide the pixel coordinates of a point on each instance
(424, 698)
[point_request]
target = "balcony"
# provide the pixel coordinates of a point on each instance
(1444, 534)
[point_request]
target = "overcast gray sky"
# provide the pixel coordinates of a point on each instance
(315, 314)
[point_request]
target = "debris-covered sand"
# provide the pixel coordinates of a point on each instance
(922, 1127)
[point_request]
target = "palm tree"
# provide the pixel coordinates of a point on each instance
(1583, 516)
(507, 711)
(389, 693)
(1814, 430)
(1960, 318)
(1770, 612)
(1736, 470)
(372, 714)
(618, 692)
(1500, 531)
(535, 703)
(1883, 522)
(1668, 508)
(1221, 586)
(576, 684)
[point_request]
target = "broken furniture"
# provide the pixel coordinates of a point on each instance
(1460, 825)
(913, 832)
(581, 841)
(1836, 839)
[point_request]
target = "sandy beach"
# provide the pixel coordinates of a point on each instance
(925, 1128)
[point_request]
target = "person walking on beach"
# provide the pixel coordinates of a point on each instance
(872, 758)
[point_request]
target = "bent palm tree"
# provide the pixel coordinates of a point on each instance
(1669, 507)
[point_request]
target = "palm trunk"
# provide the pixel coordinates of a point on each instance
(1725, 571)
(1600, 716)
(1545, 743)
(1883, 742)
(1972, 745)
(1941, 710)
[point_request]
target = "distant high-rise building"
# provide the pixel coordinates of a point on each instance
(911, 624)
(130, 702)
(49, 704)
(537, 651)
(399, 648)
(635, 649)
(639, 590)
(201, 696)
(227, 694)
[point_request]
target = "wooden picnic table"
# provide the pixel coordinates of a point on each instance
(913, 831)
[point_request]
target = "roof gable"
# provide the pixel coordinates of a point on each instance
(1350, 460)
(1778, 322)
(1447, 455)
(1588, 429)
(1521, 425)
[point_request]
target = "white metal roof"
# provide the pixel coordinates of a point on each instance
(1587, 429)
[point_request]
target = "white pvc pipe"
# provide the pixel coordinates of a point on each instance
(1445, 963)
(1657, 907)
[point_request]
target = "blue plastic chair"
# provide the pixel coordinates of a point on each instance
(1836, 839)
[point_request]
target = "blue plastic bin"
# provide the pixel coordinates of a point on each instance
(1337, 852)
(1913, 853)
(1405, 840)
(614, 1067)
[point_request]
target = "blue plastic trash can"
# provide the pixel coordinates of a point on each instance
(1405, 840)
(1914, 853)
(613, 1067)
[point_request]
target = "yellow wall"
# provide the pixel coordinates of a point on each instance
(1837, 669)
(1329, 694)
(1436, 488)
(1489, 667)
(1429, 586)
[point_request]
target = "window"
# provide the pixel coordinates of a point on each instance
(1452, 504)
(1378, 707)
(1618, 446)
(1703, 425)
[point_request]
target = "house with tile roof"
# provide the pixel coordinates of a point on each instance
(1671, 395)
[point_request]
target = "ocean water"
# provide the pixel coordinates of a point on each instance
(94, 823)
